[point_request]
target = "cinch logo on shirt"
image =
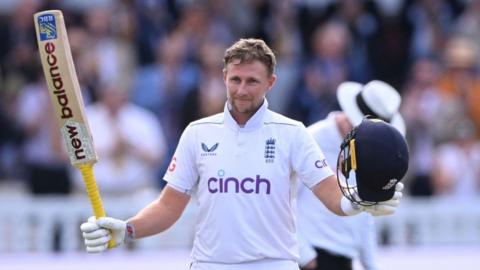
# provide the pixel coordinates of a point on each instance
(234, 185)
(321, 163)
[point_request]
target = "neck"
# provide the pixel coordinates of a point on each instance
(240, 118)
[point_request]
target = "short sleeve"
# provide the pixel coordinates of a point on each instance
(182, 171)
(308, 161)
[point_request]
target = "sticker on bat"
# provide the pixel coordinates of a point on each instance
(47, 27)
(78, 142)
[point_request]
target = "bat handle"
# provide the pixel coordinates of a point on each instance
(93, 193)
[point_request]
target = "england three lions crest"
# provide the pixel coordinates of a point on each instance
(270, 150)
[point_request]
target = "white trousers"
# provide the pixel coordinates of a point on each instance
(267, 264)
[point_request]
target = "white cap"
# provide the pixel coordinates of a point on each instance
(376, 98)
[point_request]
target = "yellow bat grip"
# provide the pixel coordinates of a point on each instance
(93, 193)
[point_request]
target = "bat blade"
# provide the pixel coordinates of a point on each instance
(65, 94)
(63, 86)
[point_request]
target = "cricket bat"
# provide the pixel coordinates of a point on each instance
(65, 95)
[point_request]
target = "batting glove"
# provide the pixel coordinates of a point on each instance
(379, 209)
(97, 233)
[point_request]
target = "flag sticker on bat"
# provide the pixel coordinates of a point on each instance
(47, 27)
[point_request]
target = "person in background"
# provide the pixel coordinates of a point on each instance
(43, 152)
(460, 79)
(456, 162)
(209, 96)
(421, 103)
(129, 141)
(44, 159)
(327, 67)
(328, 241)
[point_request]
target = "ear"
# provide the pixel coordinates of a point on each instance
(271, 81)
(225, 75)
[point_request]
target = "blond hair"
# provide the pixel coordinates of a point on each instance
(249, 50)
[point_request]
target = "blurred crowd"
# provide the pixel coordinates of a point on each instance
(149, 67)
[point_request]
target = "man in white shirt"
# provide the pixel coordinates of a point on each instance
(241, 164)
(328, 241)
(128, 138)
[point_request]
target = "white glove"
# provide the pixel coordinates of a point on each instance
(379, 209)
(97, 233)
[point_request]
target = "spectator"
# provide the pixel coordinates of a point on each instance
(110, 53)
(10, 139)
(163, 87)
(456, 164)
(45, 157)
(328, 241)
(327, 68)
(468, 23)
(209, 97)
(361, 18)
(286, 41)
(461, 78)
(421, 103)
(129, 142)
(431, 22)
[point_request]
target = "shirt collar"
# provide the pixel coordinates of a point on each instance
(255, 122)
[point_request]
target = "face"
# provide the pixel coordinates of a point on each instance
(247, 84)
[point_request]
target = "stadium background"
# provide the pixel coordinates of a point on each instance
(427, 49)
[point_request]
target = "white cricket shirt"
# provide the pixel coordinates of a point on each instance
(352, 236)
(244, 179)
